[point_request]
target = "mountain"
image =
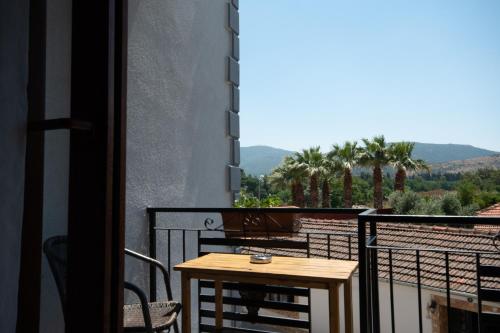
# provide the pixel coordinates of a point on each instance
(260, 160)
(472, 164)
(439, 153)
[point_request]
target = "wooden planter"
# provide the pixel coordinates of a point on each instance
(242, 224)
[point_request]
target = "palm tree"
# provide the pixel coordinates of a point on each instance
(331, 170)
(325, 194)
(375, 155)
(346, 157)
(400, 154)
(290, 173)
(314, 163)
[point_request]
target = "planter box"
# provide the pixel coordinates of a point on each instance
(245, 223)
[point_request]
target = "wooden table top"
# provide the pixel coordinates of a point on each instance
(313, 269)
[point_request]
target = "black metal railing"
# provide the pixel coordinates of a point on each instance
(379, 258)
(249, 237)
(370, 238)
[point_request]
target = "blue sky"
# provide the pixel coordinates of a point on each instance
(326, 71)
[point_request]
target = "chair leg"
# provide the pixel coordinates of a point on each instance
(176, 327)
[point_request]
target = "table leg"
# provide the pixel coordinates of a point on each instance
(348, 306)
(186, 302)
(219, 308)
(333, 297)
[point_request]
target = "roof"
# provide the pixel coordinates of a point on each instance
(490, 211)
(462, 266)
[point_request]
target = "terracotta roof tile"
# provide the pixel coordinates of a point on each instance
(491, 211)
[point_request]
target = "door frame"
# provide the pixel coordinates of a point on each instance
(96, 211)
(28, 305)
(96, 205)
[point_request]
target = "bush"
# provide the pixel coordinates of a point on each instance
(450, 204)
(246, 201)
(249, 201)
(271, 201)
(428, 206)
(470, 210)
(486, 199)
(404, 203)
(411, 203)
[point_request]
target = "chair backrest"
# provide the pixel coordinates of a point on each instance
(257, 239)
(56, 250)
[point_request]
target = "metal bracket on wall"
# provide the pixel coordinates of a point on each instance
(60, 123)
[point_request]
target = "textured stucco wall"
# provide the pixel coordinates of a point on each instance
(13, 115)
(178, 147)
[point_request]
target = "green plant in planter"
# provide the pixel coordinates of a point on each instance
(249, 201)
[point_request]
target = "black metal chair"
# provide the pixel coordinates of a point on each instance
(488, 321)
(141, 317)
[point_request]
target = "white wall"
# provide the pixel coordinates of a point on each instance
(177, 143)
(13, 115)
(177, 147)
(405, 308)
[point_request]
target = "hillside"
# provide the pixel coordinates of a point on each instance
(258, 160)
(472, 164)
(438, 153)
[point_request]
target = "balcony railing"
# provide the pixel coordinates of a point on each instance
(180, 234)
(376, 248)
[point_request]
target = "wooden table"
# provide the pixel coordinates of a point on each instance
(283, 271)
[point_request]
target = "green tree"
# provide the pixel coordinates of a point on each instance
(325, 194)
(451, 205)
(485, 199)
(466, 191)
(328, 178)
(312, 160)
(375, 155)
(362, 191)
(251, 185)
(290, 173)
(400, 157)
(346, 157)
(336, 199)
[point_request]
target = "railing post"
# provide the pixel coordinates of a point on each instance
(363, 275)
(374, 279)
(152, 254)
